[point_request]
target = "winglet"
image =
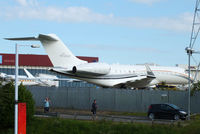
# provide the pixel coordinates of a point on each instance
(149, 71)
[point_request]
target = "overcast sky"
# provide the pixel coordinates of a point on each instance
(116, 31)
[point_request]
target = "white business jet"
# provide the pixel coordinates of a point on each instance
(102, 74)
(30, 80)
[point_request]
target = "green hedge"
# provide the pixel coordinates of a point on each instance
(7, 97)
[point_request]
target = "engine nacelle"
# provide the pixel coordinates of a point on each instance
(3, 75)
(91, 69)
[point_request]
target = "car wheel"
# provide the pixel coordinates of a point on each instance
(176, 117)
(151, 116)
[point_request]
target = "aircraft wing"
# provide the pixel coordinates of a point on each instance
(42, 83)
(141, 81)
(138, 82)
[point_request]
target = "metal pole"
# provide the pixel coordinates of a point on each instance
(189, 83)
(16, 89)
(190, 48)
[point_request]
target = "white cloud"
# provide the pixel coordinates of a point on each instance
(179, 23)
(69, 14)
(85, 15)
(149, 2)
(27, 2)
(22, 2)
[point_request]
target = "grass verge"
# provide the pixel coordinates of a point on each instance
(65, 126)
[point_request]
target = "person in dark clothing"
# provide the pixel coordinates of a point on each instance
(94, 110)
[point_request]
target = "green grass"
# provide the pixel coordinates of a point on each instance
(65, 126)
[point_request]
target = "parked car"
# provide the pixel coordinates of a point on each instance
(166, 111)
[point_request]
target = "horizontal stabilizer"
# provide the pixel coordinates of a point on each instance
(23, 38)
(39, 38)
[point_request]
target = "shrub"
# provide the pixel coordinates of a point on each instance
(7, 100)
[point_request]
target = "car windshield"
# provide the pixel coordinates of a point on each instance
(174, 106)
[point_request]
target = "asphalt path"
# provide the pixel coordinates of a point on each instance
(114, 118)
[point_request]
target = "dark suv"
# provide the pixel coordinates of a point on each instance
(166, 111)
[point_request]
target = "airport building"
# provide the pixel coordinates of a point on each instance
(37, 64)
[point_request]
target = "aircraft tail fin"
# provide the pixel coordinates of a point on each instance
(57, 51)
(28, 73)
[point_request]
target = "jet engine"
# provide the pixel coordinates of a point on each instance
(3, 76)
(91, 69)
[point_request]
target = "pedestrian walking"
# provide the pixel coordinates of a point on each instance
(94, 110)
(46, 105)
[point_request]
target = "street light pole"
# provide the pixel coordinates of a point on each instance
(16, 83)
(16, 88)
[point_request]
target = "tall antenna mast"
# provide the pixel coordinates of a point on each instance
(189, 50)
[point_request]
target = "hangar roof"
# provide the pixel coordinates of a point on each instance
(34, 60)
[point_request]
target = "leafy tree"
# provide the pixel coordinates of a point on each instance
(7, 101)
(195, 87)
